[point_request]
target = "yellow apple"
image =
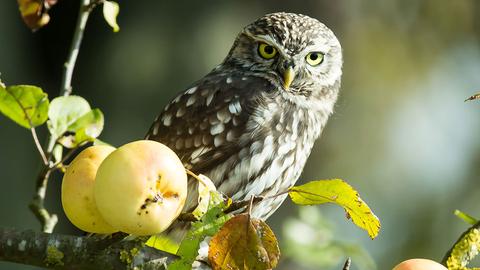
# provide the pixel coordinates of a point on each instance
(141, 188)
(419, 264)
(77, 190)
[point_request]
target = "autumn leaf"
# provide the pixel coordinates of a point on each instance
(208, 225)
(338, 192)
(34, 12)
(244, 243)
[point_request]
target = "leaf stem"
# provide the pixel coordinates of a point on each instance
(192, 174)
(465, 217)
(39, 146)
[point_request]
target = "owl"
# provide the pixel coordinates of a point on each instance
(250, 124)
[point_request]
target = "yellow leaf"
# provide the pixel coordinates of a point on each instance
(338, 192)
(110, 13)
(244, 243)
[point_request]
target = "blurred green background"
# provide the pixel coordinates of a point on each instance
(401, 133)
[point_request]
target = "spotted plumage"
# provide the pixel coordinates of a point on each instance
(250, 124)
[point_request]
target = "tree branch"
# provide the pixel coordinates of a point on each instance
(55, 251)
(84, 12)
(47, 220)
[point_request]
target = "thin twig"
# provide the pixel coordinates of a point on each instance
(47, 220)
(241, 204)
(84, 12)
(69, 154)
(347, 264)
(250, 205)
(32, 129)
(187, 217)
(39, 146)
(476, 96)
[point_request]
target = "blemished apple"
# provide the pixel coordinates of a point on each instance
(141, 188)
(419, 264)
(77, 190)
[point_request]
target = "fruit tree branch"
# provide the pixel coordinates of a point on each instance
(84, 12)
(55, 251)
(47, 220)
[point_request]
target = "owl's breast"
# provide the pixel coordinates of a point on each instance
(276, 145)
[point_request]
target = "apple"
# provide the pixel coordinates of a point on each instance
(419, 264)
(141, 188)
(77, 190)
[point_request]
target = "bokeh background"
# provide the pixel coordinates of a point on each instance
(401, 133)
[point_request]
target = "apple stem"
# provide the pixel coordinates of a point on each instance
(199, 179)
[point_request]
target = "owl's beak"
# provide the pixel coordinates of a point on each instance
(288, 76)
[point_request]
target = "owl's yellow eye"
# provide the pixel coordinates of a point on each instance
(266, 51)
(314, 58)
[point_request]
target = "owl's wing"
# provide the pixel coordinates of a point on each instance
(203, 124)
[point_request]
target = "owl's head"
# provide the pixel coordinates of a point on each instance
(295, 52)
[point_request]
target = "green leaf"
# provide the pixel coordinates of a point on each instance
(27, 105)
(86, 129)
(57, 153)
(210, 223)
(244, 243)
(338, 192)
(64, 112)
(110, 13)
(163, 242)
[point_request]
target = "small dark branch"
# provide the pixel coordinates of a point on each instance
(242, 204)
(246, 205)
(47, 220)
(187, 217)
(474, 97)
(60, 163)
(347, 264)
(54, 251)
(250, 205)
(39, 146)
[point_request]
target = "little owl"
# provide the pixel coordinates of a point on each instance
(250, 124)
